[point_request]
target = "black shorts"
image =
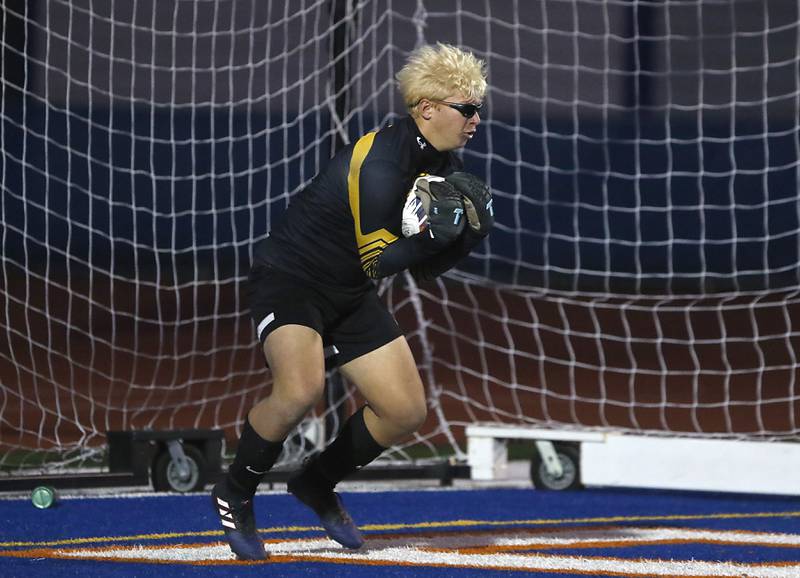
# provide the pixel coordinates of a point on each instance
(351, 323)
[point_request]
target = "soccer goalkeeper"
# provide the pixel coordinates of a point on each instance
(312, 287)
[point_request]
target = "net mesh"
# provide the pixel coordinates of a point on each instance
(642, 274)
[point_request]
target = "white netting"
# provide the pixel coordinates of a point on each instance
(644, 158)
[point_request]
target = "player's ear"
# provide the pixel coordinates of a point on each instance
(425, 108)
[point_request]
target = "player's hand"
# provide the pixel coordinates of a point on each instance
(445, 213)
(477, 201)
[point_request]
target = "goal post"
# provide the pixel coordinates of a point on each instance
(642, 275)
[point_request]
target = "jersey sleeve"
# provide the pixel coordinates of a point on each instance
(376, 202)
(431, 267)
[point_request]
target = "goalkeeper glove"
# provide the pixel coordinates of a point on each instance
(477, 201)
(445, 208)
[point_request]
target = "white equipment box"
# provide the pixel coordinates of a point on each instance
(610, 459)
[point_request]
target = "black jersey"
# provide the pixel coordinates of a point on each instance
(344, 228)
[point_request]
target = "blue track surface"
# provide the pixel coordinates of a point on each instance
(440, 531)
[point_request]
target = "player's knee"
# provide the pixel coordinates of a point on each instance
(301, 395)
(417, 419)
(412, 418)
(307, 395)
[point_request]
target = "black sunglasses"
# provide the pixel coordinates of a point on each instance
(467, 110)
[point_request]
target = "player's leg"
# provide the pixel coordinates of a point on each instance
(292, 348)
(388, 379)
(295, 356)
(383, 369)
(390, 382)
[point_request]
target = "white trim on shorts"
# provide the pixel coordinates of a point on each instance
(263, 325)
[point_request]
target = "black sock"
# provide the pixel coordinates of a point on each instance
(352, 449)
(254, 457)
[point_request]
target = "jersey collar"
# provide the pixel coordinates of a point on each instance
(424, 154)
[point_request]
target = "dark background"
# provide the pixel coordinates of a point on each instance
(632, 146)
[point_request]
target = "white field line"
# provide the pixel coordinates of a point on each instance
(425, 550)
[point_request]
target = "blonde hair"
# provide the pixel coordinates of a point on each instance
(437, 72)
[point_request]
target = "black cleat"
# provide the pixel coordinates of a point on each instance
(239, 522)
(327, 505)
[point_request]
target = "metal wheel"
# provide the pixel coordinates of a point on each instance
(570, 479)
(168, 476)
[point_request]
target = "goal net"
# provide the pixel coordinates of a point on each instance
(642, 275)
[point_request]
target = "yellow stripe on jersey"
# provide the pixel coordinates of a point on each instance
(370, 244)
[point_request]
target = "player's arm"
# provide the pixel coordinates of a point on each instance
(382, 248)
(480, 217)
(432, 267)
